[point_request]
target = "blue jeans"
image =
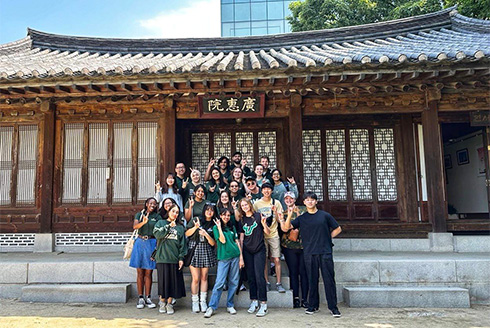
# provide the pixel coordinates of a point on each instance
(226, 269)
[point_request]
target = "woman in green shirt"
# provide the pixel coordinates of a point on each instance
(144, 245)
(195, 204)
(230, 260)
(169, 257)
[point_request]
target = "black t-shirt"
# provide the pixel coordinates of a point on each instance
(252, 228)
(315, 232)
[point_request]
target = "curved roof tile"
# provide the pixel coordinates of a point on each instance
(440, 36)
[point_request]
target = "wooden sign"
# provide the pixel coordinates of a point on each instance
(232, 107)
(480, 118)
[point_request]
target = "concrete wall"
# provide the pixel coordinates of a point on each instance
(466, 188)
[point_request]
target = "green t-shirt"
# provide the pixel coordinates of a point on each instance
(229, 249)
(285, 242)
(212, 197)
(172, 245)
(197, 209)
(147, 228)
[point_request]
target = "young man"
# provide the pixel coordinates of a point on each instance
(252, 189)
(180, 180)
(271, 208)
(317, 228)
(265, 162)
(238, 161)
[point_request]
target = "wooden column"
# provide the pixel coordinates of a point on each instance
(406, 170)
(47, 166)
(167, 139)
(296, 140)
(434, 168)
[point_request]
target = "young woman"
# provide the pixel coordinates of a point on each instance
(195, 204)
(259, 173)
(236, 193)
(188, 187)
(144, 245)
(169, 190)
(224, 203)
(280, 187)
(166, 204)
(293, 253)
(199, 231)
(170, 234)
(252, 229)
(236, 175)
(215, 185)
(230, 260)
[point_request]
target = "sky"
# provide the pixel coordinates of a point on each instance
(110, 18)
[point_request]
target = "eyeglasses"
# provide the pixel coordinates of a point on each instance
(211, 204)
(234, 186)
(250, 183)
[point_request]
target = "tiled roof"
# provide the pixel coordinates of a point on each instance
(440, 36)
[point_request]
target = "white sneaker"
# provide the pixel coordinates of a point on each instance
(163, 308)
(231, 310)
(170, 309)
(262, 311)
(253, 307)
(209, 312)
(149, 303)
(173, 301)
(141, 303)
(195, 307)
(204, 306)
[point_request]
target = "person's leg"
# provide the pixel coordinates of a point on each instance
(204, 279)
(248, 258)
(140, 281)
(291, 262)
(303, 275)
(233, 279)
(266, 266)
(328, 275)
(148, 282)
(259, 262)
(196, 275)
(221, 274)
(313, 276)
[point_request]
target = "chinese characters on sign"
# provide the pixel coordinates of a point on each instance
(230, 106)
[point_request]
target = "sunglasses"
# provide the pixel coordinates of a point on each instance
(250, 183)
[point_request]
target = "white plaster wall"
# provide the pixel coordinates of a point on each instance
(466, 188)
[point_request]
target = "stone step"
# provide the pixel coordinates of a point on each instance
(389, 297)
(76, 293)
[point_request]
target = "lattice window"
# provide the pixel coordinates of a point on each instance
(385, 164)
(97, 163)
(267, 146)
(122, 162)
(245, 145)
(6, 136)
(222, 144)
(26, 177)
(361, 167)
(200, 151)
(336, 165)
(147, 159)
(312, 162)
(72, 163)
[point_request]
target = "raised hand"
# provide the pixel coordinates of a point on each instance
(218, 223)
(157, 186)
(263, 219)
(211, 162)
(243, 162)
(203, 232)
(184, 184)
(191, 202)
(197, 223)
(172, 223)
(212, 189)
(181, 264)
(273, 208)
(291, 180)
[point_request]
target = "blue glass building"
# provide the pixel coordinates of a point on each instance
(254, 17)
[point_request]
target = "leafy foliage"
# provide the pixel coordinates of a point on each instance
(320, 14)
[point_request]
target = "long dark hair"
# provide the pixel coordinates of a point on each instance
(227, 161)
(280, 175)
(146, 203)
(202, 217)
(220, 204)
(229, 224)
(163, 211)
(203, 189)
(212, 182)
(165, 186)
(178, 220)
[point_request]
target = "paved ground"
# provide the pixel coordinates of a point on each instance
(16, 314)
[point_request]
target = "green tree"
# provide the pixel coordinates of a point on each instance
(319, 14)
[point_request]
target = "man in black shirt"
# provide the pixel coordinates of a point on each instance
(317, 228)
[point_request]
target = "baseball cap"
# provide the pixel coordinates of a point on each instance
(289, 194)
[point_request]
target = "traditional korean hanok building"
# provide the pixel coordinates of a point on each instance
(386, 122)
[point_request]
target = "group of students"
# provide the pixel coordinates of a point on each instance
(237, 219)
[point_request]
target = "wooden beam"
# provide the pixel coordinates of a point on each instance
(143, 86)
(62, 88)
(158, 86)
(359, 77)
(254, 83)
(94, 87)
(47, 89)
(4, 92)
(307, 79)
(239, 83)
(397, 76)
(167, 138)
(16, 90)
(127, 87)
(172, 85)
(48, 140)
(188, 84)
(110, 87)
(32, 89)
(434, 168)
(295, 139)
(79, 88)
(271, 81)
(342, 78)
(377, 77)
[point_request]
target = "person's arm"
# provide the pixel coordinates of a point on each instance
(182, 251)
(241, 263)
(206, 235)
(137, 223)
(188, 210)
(218, 235)
(207, 175)
(242, 236)
(160, 230)
(286, 226)
(191, 230)
(263, 220)
(335, 232)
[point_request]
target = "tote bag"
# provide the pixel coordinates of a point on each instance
(128, 248)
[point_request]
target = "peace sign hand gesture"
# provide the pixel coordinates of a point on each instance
(184, 184)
